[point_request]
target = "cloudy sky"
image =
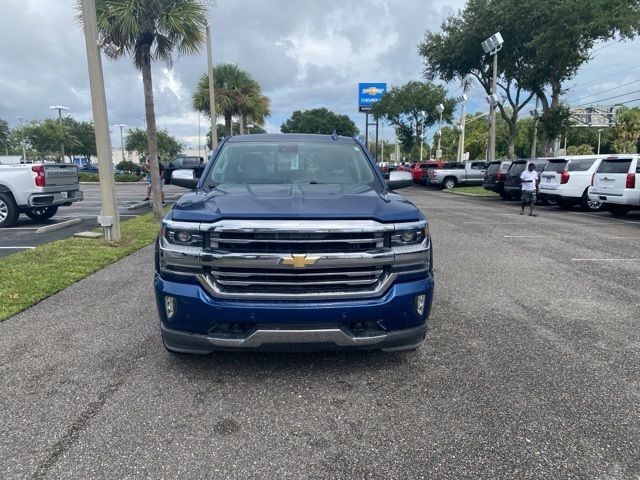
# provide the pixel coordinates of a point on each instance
(305, 54)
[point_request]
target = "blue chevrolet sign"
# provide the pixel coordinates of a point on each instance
(370, 93)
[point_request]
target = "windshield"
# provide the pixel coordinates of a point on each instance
(493, 168)
(292, 163)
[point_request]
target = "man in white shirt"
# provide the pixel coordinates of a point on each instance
(530, 181)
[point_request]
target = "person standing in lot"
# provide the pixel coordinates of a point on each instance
(530, 184)
(147, 170)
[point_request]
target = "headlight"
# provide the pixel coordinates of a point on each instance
(410, 236)
(183, 237)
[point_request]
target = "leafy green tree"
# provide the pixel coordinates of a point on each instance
(455, 53)
(403, 106)
(545, 43)
(129, 167)
(5, 137)
(44, 138)
(84, 135)
(151, 30)
(319, 120)
(580, 150)
(168, 146)
(626, 133)
(238, 94)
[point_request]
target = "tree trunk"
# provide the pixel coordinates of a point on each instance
(546, 142)
(241, 124)
(156, 191)
(227, 125)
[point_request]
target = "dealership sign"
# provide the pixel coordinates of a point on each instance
(370, 93)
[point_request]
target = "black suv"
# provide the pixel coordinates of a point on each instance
(183, 162)
(513, 183)
(495, 176)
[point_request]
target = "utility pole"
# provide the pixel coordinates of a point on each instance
(440, 109)
(109, 218)
(463, 123)
(212, 94)
(24, 152)
(60, 108)
(599, 138)
(492, 46)
(121, 125)
(534, 141)
(422, 134)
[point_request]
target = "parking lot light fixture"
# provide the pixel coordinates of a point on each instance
(492, 46)
(424, 114)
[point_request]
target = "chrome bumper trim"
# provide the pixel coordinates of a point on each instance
(210, 286)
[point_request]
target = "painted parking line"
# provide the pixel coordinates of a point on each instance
(15, 248)
(605, 259)
(19, 228)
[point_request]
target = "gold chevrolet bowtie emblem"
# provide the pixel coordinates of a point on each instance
(299, 261)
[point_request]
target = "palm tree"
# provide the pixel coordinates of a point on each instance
(237, 94)
(150, 30)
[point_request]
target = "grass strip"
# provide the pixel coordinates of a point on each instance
(29, 277)
(472, 190)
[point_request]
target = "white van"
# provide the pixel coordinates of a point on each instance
(616, 184)
(566, 180)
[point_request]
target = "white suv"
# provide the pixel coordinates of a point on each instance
(566, 180)
(617, 184)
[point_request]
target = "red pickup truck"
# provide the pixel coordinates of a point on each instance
(419, 170)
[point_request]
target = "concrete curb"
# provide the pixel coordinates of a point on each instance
(470, 194)
(58, 226)
(117, 183)
(135, 206)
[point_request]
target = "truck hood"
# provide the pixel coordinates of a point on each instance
(259, 201)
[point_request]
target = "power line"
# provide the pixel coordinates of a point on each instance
(571, 87)
(604, 91)
(605, 99)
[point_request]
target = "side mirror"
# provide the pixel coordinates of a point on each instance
(399, 179)
(184, 178)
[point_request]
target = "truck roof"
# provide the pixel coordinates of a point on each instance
(288, 137)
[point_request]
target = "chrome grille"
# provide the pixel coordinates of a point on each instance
(296, 242)
(292, 281)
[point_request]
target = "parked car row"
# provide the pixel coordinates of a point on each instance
(593, 182)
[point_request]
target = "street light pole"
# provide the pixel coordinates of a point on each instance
(122, 126)
(463, 120)
(212, 94)
(60, 108)
(599, 137)
(422, 134)
(24, 152)
(440, 109)
(492, 46)
(109, 218)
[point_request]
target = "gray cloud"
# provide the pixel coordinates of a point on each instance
(304, 53)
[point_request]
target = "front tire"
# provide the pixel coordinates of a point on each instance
(43, 213)
(449, 183)
(8, 211)
(505, 196)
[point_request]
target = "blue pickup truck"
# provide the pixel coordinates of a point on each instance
(293, 242)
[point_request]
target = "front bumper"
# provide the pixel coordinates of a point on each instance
(200, 322)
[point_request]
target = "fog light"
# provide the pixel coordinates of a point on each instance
(420, 304)
(170, 306)
(184, 237)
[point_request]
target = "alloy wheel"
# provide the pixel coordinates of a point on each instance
(4, 211)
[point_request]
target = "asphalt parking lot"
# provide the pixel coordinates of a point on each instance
(23, 235)
(531, 370)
